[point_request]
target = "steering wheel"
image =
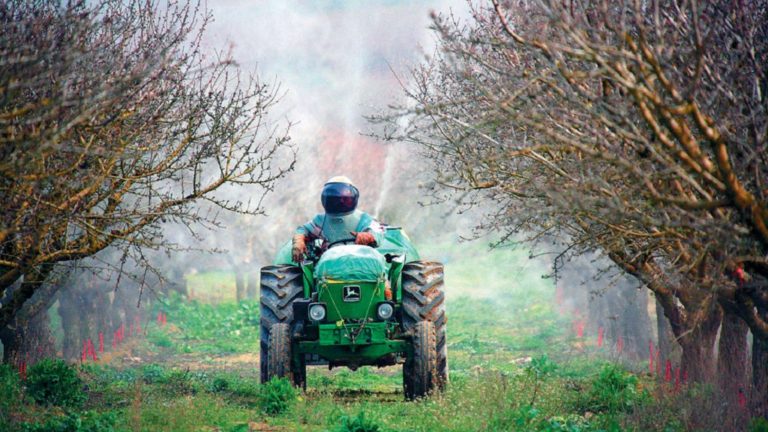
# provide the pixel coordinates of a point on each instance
(342, 241)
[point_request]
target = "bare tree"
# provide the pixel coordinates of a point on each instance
(113, 121)
(636, 128)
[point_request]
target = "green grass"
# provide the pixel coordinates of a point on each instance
(511, 355)
(204, 328)
(212, 287)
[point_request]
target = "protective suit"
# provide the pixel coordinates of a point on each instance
(341, 220)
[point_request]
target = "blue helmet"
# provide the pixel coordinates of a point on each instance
(339, 196)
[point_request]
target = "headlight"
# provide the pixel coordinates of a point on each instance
(384, 311)
(317, 311)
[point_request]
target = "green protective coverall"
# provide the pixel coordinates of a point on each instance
(333, 228)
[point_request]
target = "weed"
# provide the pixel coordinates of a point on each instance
(180, 382)
(88, 421)
(160, 338)
(358, 423)
(614, 391)
(758, 425)
(219, 384)
(570, 423)
(537, 370)
(152, 373)
(54, 382)
(277, 395)
(10, 394)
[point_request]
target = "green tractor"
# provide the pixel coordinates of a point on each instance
(355, 306)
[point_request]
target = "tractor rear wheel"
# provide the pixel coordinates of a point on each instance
(280, 286)
(424, 299)
(419, 370)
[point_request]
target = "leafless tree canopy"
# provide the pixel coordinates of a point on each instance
(113, 121)
(638, 128)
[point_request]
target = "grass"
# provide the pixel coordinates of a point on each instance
(514, 366)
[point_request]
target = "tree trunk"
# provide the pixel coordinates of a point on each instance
(239, 285)
(634, 324)
(28, 340)
(666, 339)
(759, 377)
(252, 285)
(11, 345)
(732, 358)
(70, 313)
(698, 349)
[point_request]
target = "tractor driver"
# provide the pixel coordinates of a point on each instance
(341, 220)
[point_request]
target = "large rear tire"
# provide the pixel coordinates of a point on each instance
(424, 299)
(280, 286)
(419, 371)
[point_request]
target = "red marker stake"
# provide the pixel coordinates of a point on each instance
(93, 351)
(668, 371)
(101, 342)
(600, 333)
(742, 399)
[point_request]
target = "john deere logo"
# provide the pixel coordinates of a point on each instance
(351, 293)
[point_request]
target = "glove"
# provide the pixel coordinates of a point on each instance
(299, 248)
(365, 238)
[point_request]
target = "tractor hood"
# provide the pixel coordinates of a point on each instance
(351, 263)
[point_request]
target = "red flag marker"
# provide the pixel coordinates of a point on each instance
(668, 371)
(600, 333)
(742, 399)
(160, 318)
(92, 349)
(101, 342)
(84, 353)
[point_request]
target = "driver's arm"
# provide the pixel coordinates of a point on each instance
(304, 233)
(372, 235)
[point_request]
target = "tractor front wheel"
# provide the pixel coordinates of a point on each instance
(281, 285)
(279, 352)
(420, 370)
(280, 356)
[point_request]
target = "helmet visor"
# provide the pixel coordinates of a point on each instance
(339, 198)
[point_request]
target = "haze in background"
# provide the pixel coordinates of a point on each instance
(336, 62)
